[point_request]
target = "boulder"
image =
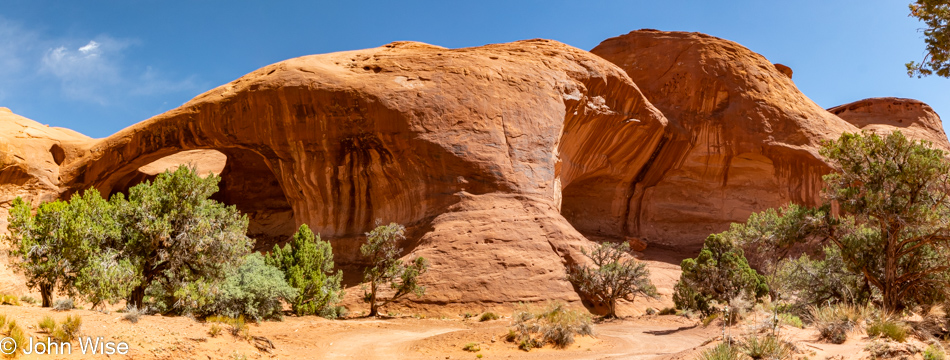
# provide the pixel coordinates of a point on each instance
(785, 70)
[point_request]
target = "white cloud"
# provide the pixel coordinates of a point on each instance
(91, 70)
(92, 46)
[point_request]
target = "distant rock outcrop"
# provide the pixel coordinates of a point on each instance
(884, 115)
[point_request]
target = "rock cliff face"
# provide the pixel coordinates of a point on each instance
(501, 159)
(751, 137)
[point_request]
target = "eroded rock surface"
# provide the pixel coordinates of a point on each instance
(30, 157)
(453, 143)
(751, 140)
(913, 118)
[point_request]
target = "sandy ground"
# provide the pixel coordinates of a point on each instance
(421, 333)
(647, 337)
(159, 337)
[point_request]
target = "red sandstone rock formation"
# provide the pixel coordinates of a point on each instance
(30, 159)
(751, 140)
(498, 157)
(913, 118)
(785, 70)
(469, 147)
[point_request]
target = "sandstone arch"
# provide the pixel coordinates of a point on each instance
(246, 182)
(470, 147)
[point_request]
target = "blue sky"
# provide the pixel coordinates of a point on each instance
(99, 66)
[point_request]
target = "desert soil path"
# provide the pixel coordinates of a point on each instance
(161, 337)
(386, 344)
(642, 341)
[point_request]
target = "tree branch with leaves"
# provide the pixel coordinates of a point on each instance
(387, 269)
(615, 276)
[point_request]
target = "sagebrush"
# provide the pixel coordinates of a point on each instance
(555, 324)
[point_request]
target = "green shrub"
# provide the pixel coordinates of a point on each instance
(934, 352)
(488, 316)
(668, 311)
(791, 320)
(210, 239)
(511, 336)
(555, 325)
(723, 351)
(239, 327)
(106, 278)
(808, 281)
(338, 312)
(834, 322)
(16, 333)
(253, 290)
(36, 249)
(720, 273)
(887, 328)
(9, 300)
(215, 330)
(387, 270)
(615, 276)
(47, 325)
(29, 299)
(472, 347)
(307, 265)
(528, 344)
(766, 347)
(69, 329)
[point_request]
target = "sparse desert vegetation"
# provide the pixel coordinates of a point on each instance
(386, 270)
(665, 195)
(614, 276)
(555, 324)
